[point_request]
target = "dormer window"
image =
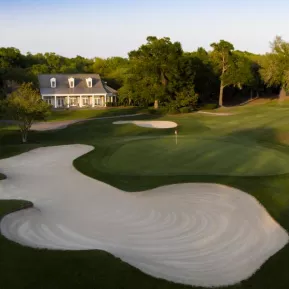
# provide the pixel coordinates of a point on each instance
(71, 82)
(89, 82)
(53, 82)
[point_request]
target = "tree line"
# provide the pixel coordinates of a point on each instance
(161, 74)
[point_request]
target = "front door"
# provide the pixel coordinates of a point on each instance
(60, 102)
(97, 101)
(73, 101)
(85, 101)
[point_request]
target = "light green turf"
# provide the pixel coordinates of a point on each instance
(198, 156)
(72, 114)
(254, 139)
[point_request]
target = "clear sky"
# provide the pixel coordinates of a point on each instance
(114, 27)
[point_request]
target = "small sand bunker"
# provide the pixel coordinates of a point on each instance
(216, 113)
(43, 126)
(149, 123)
(197, 234)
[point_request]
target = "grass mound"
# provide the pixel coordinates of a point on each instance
(195, 156)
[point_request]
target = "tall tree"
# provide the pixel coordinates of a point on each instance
(157, 61)
(54, 62)
(25, 106)
(275, 65)
(10, 57)
(222, 55)
(206, 80)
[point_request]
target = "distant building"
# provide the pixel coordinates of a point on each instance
(75, 90)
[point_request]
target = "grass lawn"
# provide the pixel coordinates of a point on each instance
(58, 115)
(197, 156)
(248, 150)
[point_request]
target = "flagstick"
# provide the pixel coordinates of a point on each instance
(176, 133)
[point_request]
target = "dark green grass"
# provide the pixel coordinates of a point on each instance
(58, 115)
(263, 127)
(195, 156)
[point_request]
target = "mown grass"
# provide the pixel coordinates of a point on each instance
(69, 114)
(263, 126)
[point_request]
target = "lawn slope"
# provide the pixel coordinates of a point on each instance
(252, 127)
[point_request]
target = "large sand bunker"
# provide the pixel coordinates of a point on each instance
(149, 123)
(197, 234)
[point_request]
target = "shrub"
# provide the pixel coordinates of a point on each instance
(208, 106)
(185, 109)
(152, 110)
(159, 111)
(186, 98)
(110, 104)
(173, 110)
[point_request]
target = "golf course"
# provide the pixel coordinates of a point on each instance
(122, 198)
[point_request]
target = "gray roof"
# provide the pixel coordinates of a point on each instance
(80, 86)
(109, 89)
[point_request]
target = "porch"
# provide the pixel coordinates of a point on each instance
(58, 101)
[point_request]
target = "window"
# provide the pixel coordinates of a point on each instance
(89, 82)
(85, 101)
(71, 82)
(60, 102)
(53, 82)
(73, 101)
(48, 100)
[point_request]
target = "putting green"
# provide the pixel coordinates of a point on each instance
(193, 156)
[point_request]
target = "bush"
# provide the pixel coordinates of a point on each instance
(163, 110)
(160, 111)
(185, 109)
(208, 106)
(110, 104)
(173, 110)
(152, 110)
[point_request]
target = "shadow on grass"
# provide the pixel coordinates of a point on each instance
(72, 114)
(27, 268)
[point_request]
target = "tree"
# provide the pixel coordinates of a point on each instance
(112, 70)
(205, 79)
(222, 55)
(10, 57)
(241, 72)
(156, 62)
(25, 106)
(275, 65)
(39, 69)
(54, 62)
(99, 65)
(185, 98)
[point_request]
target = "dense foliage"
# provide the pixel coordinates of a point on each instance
(160, 73)
(25, 105)
(275, 65)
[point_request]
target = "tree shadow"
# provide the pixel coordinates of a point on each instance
(270, 190)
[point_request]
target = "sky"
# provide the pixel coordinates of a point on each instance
(105, 28)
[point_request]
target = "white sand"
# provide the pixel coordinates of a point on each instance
(198, 234)
(149, 123)
(52, 125)
(216, 113)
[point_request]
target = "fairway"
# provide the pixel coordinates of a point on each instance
(198, 156)
(143, 185)
(201, 226)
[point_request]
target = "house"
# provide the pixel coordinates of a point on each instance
(76, 90)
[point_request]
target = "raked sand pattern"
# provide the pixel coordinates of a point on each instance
(160, 124)
(197, 234)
